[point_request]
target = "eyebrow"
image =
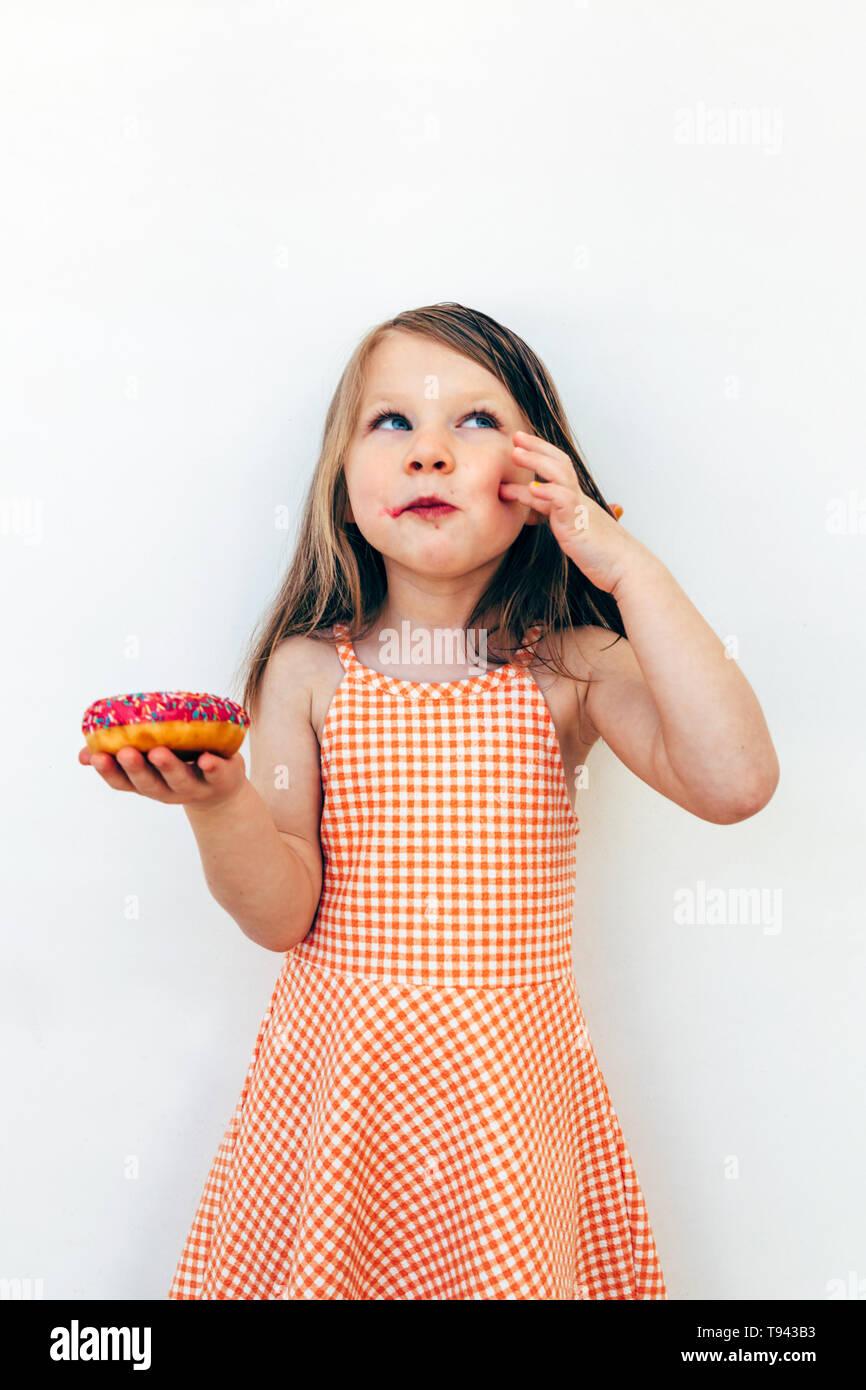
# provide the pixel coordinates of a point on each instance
(389, 396)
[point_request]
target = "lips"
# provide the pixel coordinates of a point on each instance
(427, 506)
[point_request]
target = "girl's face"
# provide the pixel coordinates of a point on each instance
(445, 429)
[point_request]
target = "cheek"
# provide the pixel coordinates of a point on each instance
(361, 486)
(371, 509)
(507, 473)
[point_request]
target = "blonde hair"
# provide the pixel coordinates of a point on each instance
(337, 576)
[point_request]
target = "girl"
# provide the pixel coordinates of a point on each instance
(423, 1115)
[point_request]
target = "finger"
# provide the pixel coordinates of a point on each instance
(106, 765)
(517, 492)
(214, 767)
(554, 470)
(541, 446)
(178, 776)
(84, 756)
(521, 492)
(144, 777)
(563, 496)
(532, 458)
(223, 772)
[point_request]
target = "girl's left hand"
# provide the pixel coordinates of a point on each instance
(588, 535)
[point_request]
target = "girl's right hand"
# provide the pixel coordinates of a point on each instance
(210, 781)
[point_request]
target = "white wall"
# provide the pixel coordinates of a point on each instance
(205, 206)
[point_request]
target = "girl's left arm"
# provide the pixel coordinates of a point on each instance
(669, 701)
(672, 701)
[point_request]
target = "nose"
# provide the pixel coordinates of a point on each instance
(428, 456)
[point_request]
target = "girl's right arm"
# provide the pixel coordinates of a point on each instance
(258, 837)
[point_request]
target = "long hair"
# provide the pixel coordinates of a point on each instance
(337, 576)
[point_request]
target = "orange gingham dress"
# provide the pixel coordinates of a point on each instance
(423, 1115)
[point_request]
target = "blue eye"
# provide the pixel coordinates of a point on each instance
(474, 414)
(386, 415)
(484, 415)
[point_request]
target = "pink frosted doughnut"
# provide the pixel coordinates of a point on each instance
(187, 722)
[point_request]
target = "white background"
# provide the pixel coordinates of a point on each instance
(205, 207)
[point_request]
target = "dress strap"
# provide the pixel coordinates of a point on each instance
(523, 656)
(345, 648)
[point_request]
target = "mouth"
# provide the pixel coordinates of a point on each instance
(427, 507)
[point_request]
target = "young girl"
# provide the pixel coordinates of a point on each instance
(423, 1115)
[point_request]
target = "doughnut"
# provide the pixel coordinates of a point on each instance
(187, 722)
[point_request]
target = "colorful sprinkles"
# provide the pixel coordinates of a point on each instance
(157, 706)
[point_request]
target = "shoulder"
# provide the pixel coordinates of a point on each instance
(296, 668)
(590, 655)
(585, 651)
(304, 650)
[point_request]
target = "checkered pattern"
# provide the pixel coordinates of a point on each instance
(423, 1114)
